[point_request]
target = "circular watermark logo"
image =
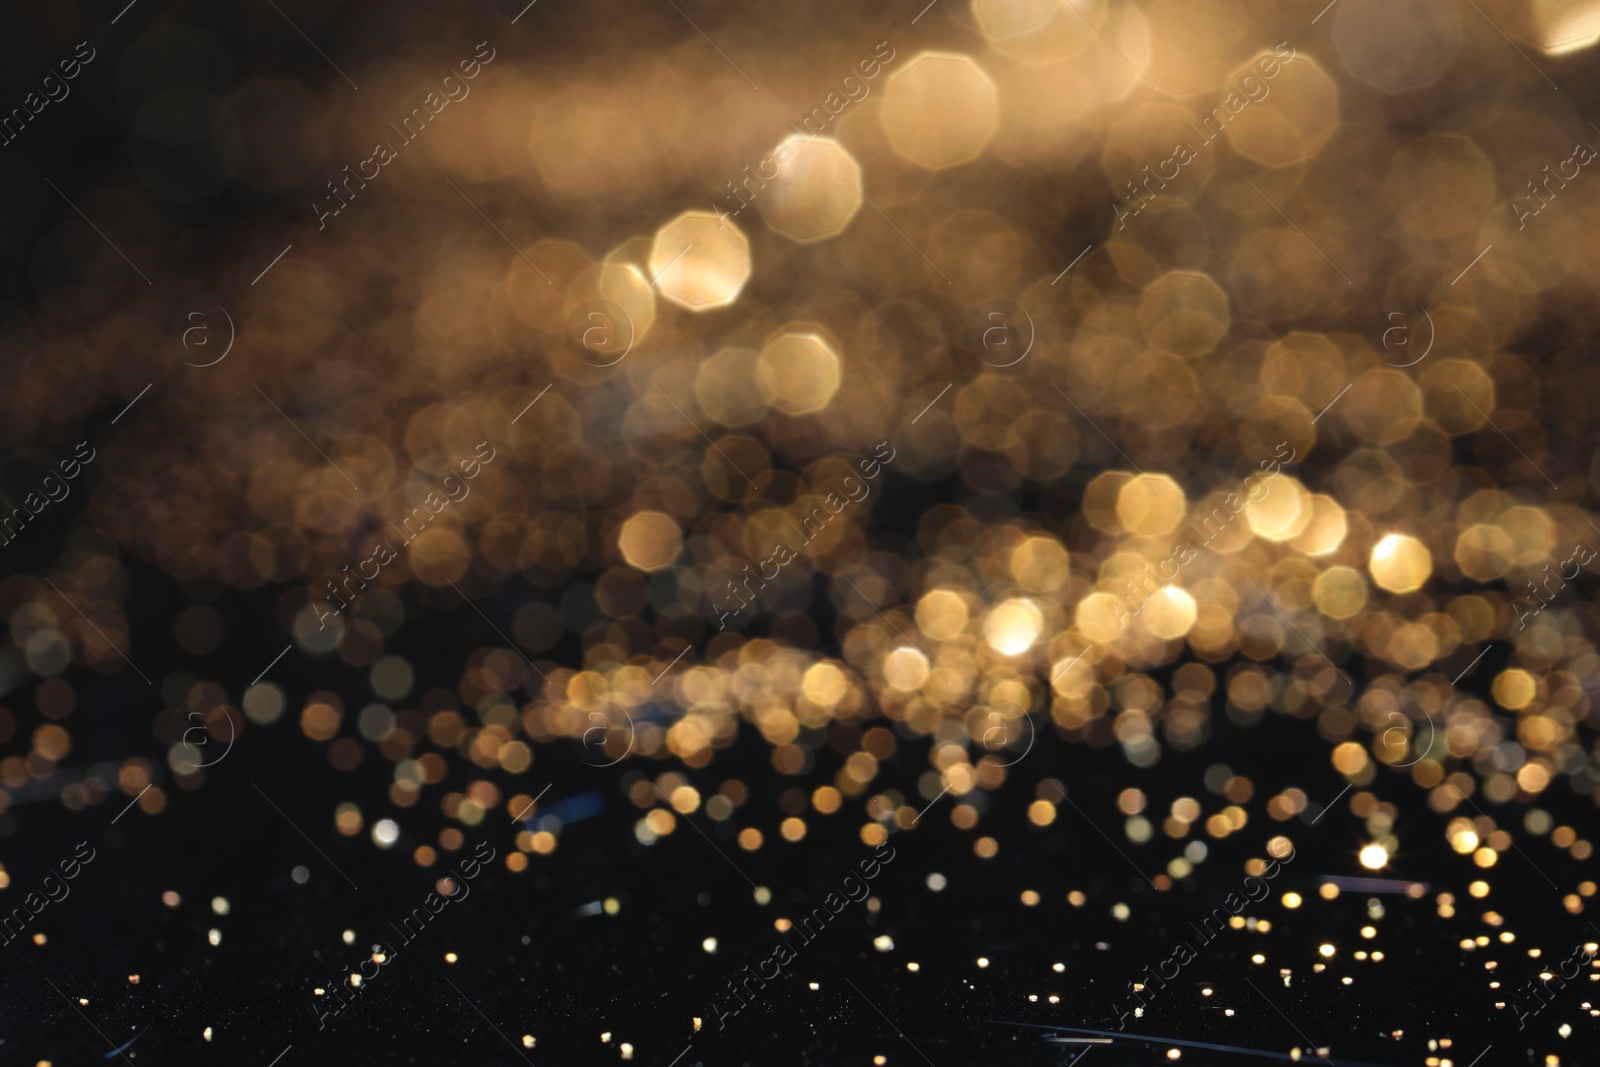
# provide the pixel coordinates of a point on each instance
(1004, 733)
(197, 338)
(600, 333)
(607, 741)
(1398, 336)
(1000, 332)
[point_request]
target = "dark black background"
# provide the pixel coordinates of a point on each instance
(531, 958)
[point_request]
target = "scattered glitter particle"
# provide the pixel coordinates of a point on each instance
(171, 899)
(627, 1051)
(529, 1041)
(214, 936)
(220, 905)
(206, 1034)
(449, 957)
(937, 882)
(883, 943)
(710, 945)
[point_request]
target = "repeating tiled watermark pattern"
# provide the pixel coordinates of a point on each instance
(203, 729)
(1250, 90)
(1537, 992)
(34, 103)
(600, 333)
(1402, 328)
(1001, 332)
(204, 340)
(33, 903)
(854, 889)
(598, 738)
(413, 124)
(1141, 589)
(832, 505)
(352, 984)
(855, 90)
(54, 491)
(1561, 577)
(430, 507)
(1582, 155)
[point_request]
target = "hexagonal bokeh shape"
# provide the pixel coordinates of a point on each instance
(1001, 20)
(1193, 42)
(700, 261)
(1397, 47)
(1184, 312)
(1284, 120)
(940, 110)
(1446, 182)
(1039, 31)
(650, 540)
(800, 371)
(817, 190)
(730, 387)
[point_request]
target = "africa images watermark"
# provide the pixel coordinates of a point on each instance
(21, 116)
(432, 504)
(33, 504)
(832, 504)
(1583, 154)
(855, 91)
(384, 153)
(1145, 586)
(344, 992)
(1535, 994)
(1183, 153)
(741, 995)
(33, 903)
(1543, 602)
